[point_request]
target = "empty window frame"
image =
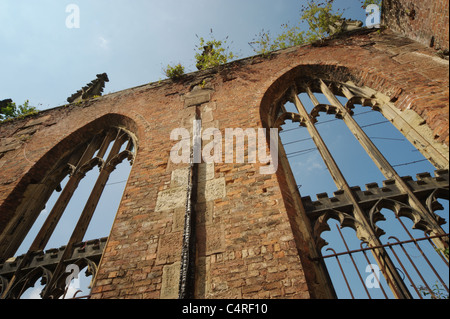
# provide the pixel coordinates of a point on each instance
(349, 206)
(106, 150)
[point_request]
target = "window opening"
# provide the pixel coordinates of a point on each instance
(388, 153)
(72, 206)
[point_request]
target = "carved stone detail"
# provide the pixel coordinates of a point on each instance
(374, 198)
(92, 89)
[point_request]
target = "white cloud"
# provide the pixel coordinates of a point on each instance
(103, 43)
(311, 163)
(73, 288)
(33, 292)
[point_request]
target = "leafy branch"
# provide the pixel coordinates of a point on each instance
(321, 21)
(12, 111)
(212, 52)
(174, 72)
(437, 292)
(318, 18)
(366, 3)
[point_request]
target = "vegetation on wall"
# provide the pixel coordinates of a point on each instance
(211, 53)
(318, 18)
(174, 72)
(365, 3)
(12, 111)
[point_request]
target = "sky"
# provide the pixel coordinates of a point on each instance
(45, 61)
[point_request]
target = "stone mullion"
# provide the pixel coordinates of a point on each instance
(366, 233)
(113, 133)
(406, 122)
(89, 208)
(98, 143)
(93, 199)
(383, 165)
(58, 209)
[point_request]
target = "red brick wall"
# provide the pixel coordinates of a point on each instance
(263, 245)
(423, 21)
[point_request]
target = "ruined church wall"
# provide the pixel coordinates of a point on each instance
(251, 242)
(422, 21)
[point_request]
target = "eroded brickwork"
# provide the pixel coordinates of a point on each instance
(252, 240)
(423, 21)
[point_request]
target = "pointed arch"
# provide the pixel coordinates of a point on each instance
(408, 122)
(349, 206)
(27, 200)
(104, 143)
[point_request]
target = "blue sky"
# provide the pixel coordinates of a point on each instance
(45, 62)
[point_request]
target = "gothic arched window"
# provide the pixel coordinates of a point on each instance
(56, 266)
(363, 210)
